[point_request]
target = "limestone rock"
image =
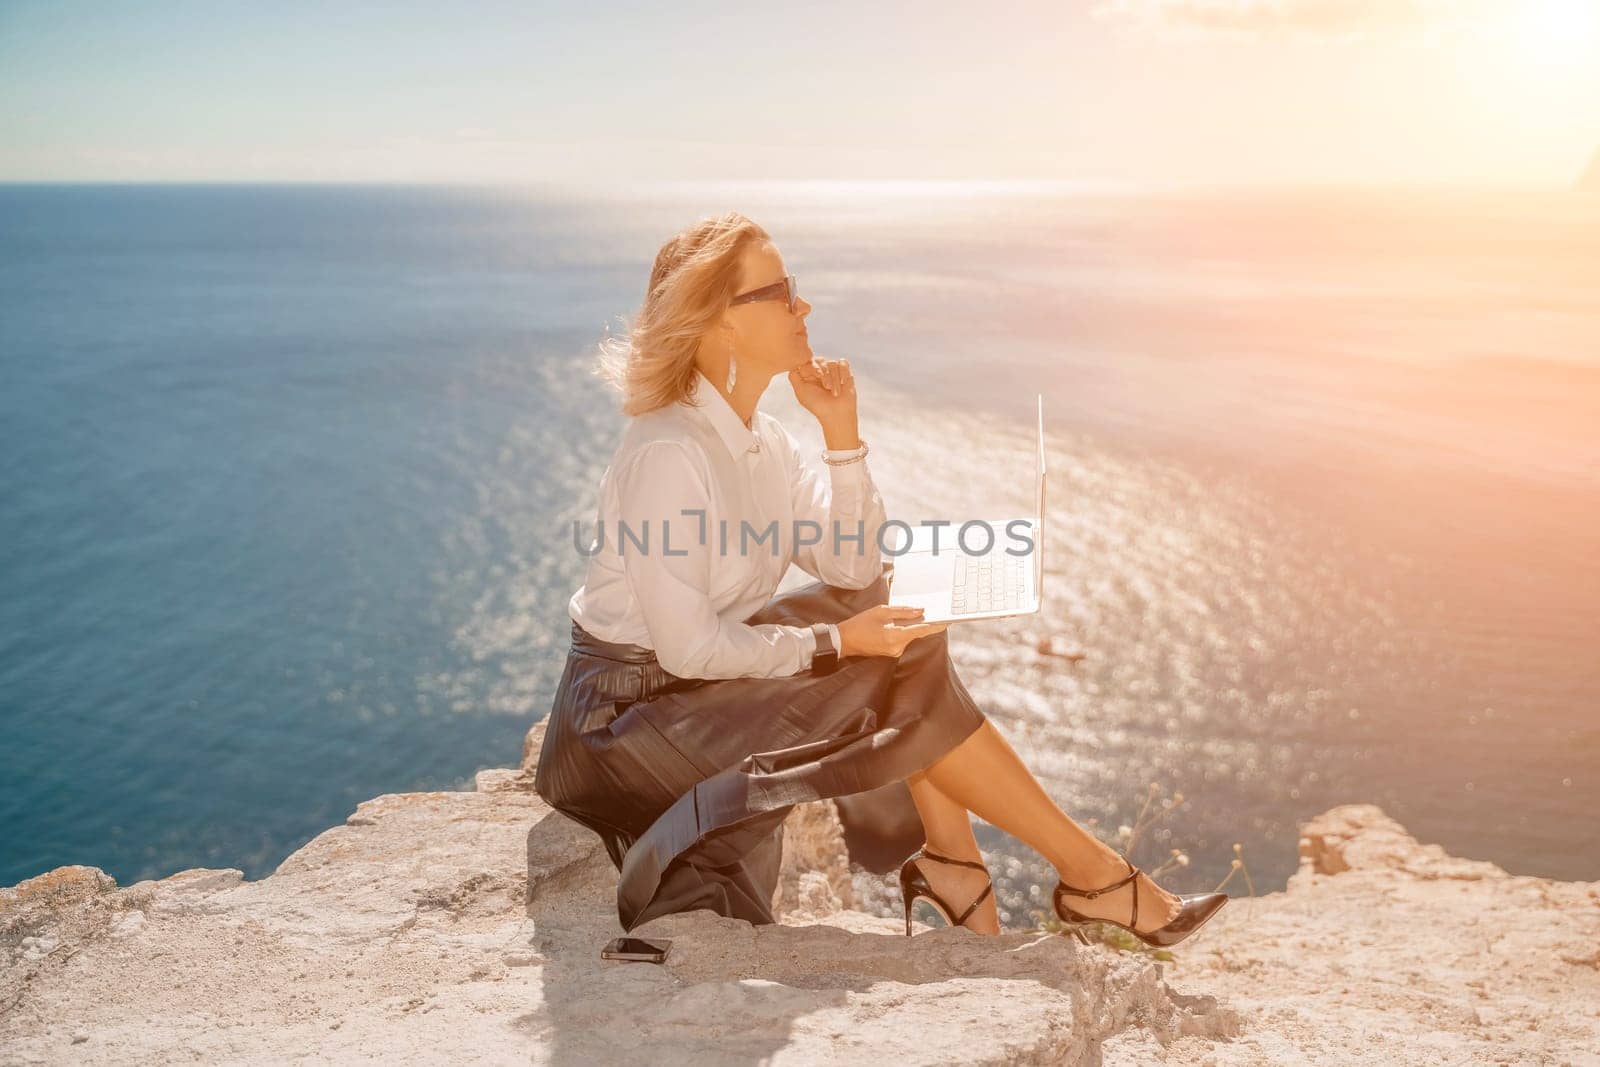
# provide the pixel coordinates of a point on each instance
(1362, 836)
(814, 878)
(531, 743)
(468, 926)
(499, 779)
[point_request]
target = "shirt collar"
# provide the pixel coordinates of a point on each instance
(739, 438)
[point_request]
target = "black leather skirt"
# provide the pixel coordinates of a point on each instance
(688, 780)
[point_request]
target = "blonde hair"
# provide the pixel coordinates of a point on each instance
(696, 273)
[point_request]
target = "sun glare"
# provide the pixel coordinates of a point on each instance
(1560, 31)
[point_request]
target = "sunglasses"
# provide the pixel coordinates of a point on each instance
(788, 290)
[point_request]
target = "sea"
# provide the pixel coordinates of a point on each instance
(289, 476)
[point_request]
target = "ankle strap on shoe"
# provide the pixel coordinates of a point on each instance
(974, 905)
(1133, 872)
(925, 851)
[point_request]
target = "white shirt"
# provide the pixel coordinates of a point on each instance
(686, 597)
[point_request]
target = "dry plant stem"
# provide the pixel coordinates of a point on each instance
(1166, 865)
(1140, 825)
(1138, 820)
(1237, 867)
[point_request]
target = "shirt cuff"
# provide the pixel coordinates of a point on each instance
(837, 454)
(833, 631)
(846, 476)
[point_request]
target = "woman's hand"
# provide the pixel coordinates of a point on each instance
(884, 630)
(827, 389)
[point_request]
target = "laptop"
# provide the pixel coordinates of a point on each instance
(951, 585)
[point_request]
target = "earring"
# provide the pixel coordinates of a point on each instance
(733, 367)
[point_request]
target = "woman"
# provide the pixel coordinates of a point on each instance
(696, 709)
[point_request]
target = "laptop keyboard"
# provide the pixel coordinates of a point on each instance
(998, 581)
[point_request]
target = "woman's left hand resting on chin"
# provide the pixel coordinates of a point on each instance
(827, 389)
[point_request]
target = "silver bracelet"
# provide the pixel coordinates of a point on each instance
(852, 459)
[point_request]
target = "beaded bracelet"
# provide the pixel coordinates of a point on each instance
(853, 459)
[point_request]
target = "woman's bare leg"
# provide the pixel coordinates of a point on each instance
(985, 775)
(949, 831)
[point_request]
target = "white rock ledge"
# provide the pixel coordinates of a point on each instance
(466, 927)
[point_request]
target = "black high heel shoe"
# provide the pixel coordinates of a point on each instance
(914, 884)
(1197, 908)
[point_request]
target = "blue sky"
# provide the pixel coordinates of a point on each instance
(1107, 92)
